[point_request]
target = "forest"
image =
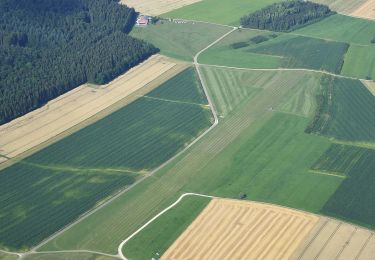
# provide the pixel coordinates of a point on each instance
(286, 16)
(48, 47)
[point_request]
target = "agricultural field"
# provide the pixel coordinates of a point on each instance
(255, 150)
(169, 121)
(370, 85)
(33, 196)
(303, 52)
(229, 229)
(333, 239)
(69, 256)
(360, 62)
(345, 111)
(343, 6)
(354, 199)
(89, 103)
(77, 173)
(366, 10)
(237, 85)
(160, 234)
(277, 51)
(226, 11)
(179, 40)
(341, 28)
(152, 7)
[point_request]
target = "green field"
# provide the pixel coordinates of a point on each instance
(160, 234)
(238, 86)
(179, 40)
(68, 256)
(285, 50)
(262, 152)
(354, 199)
(140, 136)
(64, 180)
(4, 256)
(346, 111)
(32, 196)
(341, 28)
(303, 52)
(225, 11)
(360, 62)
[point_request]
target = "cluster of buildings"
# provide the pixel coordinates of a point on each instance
(143, 20)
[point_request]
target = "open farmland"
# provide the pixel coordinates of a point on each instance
(180, 40)
(343, 6)
(255, 150)
(226, 11)
(370, 85)
(32, 196)
(57, 117)
(345, 111)
(332, 239)
(234, 86)
(278, 50)
(341, 28)
(354, 199)
(73, 175)
(69, 256)
(169, 122)
(152, 7)
(360, 62)
(161, 233)
(366, 10)
(229, 229)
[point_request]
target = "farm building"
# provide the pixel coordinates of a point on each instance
(143, 20)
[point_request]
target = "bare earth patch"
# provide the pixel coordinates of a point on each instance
(370, 85)
(366, 10)
(230, 229)
(81, 104)
(157, 7)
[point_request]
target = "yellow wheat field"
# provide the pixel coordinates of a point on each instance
(366, 10)
(157, 7)
(230, 229)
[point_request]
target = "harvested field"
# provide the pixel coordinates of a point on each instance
(152, 7)
(229, 229)
(78, 105)
(331, 239)
(366, 10)
(343, 6)
(370, 85)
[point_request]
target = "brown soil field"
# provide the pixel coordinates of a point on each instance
(332, 239)
(370, 85)
(80, 107)
(366, 10)
(157, 7)
(344, 6)
(230, 229)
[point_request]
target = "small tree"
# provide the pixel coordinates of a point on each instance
(242, 195)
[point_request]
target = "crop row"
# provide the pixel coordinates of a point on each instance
(354, 199)
(35, 202)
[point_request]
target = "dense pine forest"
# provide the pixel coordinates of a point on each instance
(48, 47)
(286, 16)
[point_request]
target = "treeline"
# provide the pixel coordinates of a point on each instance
(286, 16)
(48, 47)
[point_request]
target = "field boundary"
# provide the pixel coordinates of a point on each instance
(179, 67)
(281, 69)
(121, 192)
(340, 221)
